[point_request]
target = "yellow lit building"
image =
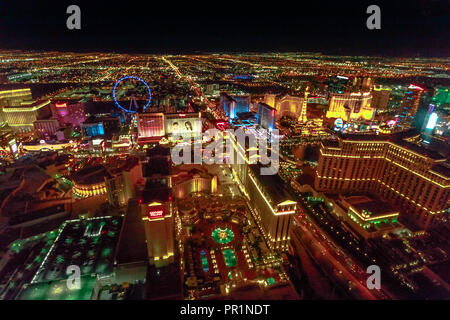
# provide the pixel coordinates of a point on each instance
(15, 97)
(415, 180)
(90, 181)
(351, 106)
(159, 232)
(271, 205)
(193, 181)
(273, 208)
(21, 118)
(380, 97)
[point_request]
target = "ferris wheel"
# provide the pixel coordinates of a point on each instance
(132, 107)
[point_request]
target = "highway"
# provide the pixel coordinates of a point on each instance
(317, 240)
(196, 87)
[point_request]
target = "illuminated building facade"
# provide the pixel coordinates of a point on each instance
(48, 145)
(274, 208)
(90, 181)
(21, 118)
(351, 106)
(411, 178)
(13, 98)
(362, 84)
(291, 106)
(410, 103)
(272, 205)
(45, 128)
(192, 181)
(367, 216)
(266, 116)
(380, 97)
(232, 105)
(150, 125)
(103, 126)
(93, 129)
(303, 112)
(121, 187)
(158, 221)
(7, 143)
(270, 99)
(70, 112)
(183, 124)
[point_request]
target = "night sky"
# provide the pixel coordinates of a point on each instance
(409, 28)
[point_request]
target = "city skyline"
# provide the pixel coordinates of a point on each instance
(231, 160)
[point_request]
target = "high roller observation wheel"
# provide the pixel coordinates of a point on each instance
(136, 78)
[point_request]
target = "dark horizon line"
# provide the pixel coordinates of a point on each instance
(417, 54)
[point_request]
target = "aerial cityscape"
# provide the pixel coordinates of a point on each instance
(290, 175)
(87, 177)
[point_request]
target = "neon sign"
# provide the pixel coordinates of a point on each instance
(155, 214)
(432, 120)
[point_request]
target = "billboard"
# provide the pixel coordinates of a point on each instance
(432, 120)
(155, 213)
(183, 124)
(150, 125)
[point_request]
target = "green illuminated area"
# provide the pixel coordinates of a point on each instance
(378, 222)
(222, 236)
(270, 281)
(59, 291)
(204, 260)
(230, 257)
(87, 243)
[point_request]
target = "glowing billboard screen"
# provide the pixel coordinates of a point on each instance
(183, 123)
(155, 213)
(432, 120)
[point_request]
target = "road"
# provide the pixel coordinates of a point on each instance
(341, 261)
(194, 86)
(324, 256)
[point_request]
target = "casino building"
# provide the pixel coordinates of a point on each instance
(45, 128)
(351, 106)
(150, 125)
(153, 126)
(266, 116)
(273, 207)
(410, 103)
(232, 105)
(272, 204)
(192, 180)
(90, 181)
(68, 112)
(21, 118)
(392, 167)
(287, 105)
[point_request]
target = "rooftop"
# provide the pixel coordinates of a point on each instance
(273, 184)
(91, 175)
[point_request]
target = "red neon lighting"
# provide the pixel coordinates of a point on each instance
(182, 115)
(413, 86)
(155, 214)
